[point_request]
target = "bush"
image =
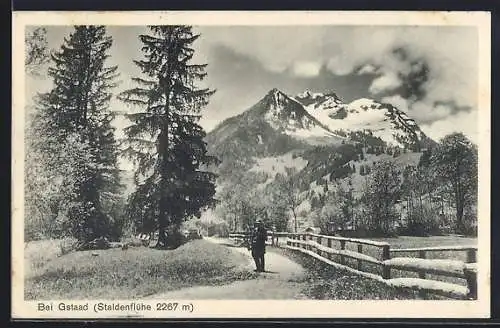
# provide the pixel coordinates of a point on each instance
(470, 226)
(422, 221)
(220, 230)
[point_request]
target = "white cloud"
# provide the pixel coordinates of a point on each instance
(274, 47)
(340, 65)
(386, 82)
(306, 68)
(427, 112)
(367, 69)
(450, 52)
(397, 101)
(465, 122)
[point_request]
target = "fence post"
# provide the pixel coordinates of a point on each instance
(421, 275)
(421, 254)
(319, 251)
(342, 248)
(386, 255)
(471, 256)
(329, 241)
(471, 277)
(360, 251)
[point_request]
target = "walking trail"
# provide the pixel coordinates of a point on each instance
(283, 279)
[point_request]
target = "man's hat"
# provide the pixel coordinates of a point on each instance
(258, 221)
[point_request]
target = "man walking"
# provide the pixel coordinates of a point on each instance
(258, 245)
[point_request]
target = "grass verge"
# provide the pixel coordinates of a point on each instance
(324, 282)
(131, 274)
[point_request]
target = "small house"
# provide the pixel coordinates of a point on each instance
(315, 230)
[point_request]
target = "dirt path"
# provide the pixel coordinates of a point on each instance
(283, 279)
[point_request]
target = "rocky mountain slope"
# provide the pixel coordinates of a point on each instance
(381, 120)
(279, 123)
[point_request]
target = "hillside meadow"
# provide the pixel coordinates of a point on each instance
(127, 274)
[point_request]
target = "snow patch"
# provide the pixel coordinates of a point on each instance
(362, 103)
(278, 164)
(308, 94)
(426, 284)
(452, 266)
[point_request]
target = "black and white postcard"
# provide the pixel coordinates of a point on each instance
(251, 164)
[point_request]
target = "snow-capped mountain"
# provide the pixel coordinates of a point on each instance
(317, 100)
(279, 123)
(289, 116)
(381, 120)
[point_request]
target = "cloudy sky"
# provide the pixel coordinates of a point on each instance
(429, 72)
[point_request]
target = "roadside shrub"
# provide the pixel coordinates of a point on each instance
(422, 221)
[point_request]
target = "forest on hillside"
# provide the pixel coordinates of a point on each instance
(366, 191)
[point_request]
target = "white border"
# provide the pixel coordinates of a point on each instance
(264, 309)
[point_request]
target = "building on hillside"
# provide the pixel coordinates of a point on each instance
(315, 230)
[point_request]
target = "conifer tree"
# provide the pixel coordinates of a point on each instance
(165, 139)
(77, 132)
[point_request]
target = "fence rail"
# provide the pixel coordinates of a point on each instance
(313, 245)
(470, 251)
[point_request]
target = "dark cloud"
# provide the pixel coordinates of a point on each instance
(413, 87)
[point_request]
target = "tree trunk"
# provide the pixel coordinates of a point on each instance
(459, 216)
(162, 238)
(295, 220)
(162, 218)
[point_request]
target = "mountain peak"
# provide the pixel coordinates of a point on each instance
(323, 118)
(307, 94)
(332, 94)
(274, 91)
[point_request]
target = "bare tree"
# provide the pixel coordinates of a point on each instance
(289, 188)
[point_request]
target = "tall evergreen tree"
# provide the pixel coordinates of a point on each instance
(76, 117)
(165, 139)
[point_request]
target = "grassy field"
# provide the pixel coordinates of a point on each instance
(127, 274)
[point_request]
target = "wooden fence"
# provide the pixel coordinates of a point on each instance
(366, 254)
(272, 237)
